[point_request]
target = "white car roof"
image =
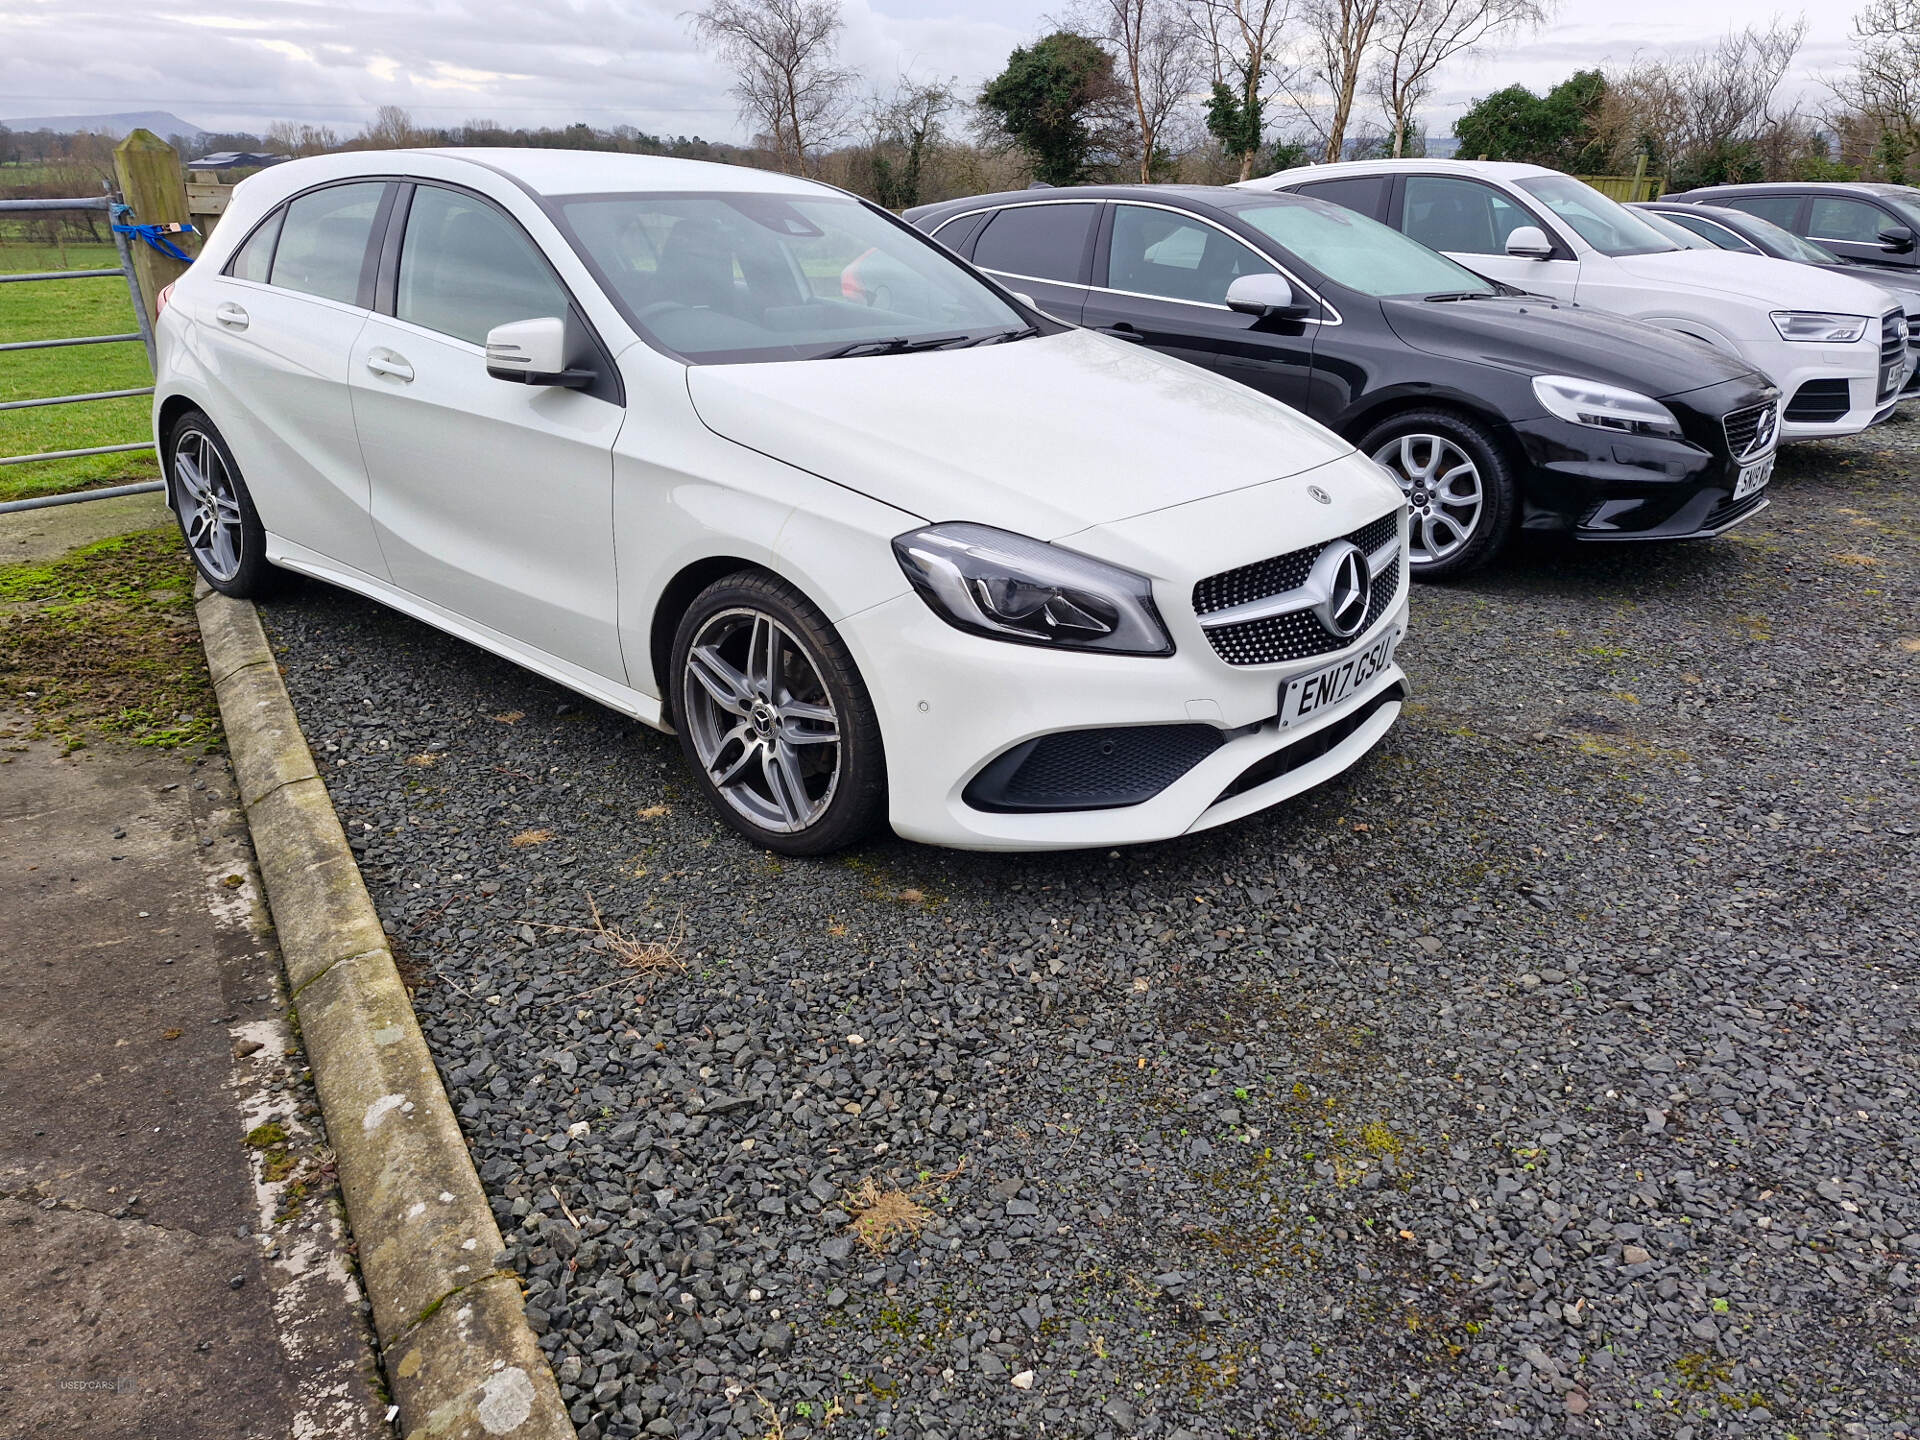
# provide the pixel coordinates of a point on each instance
(1485, 169)
(580, 172)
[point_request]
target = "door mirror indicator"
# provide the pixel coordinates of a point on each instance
(1267, 296)
(1529, 242)
(533, 352)
(1896, 239)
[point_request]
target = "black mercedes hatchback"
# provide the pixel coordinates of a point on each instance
(1493, 408)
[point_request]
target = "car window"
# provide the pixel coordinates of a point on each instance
(1679, 234)
(1359, 253)
(1606, 225)
(1045, 242)
(1835, 217)
(1162, 253)
(1460, 216)
(1782, 210)
(465, 268)
(955, 233)
(742, 276)
(323, 241)
(1710, 230)
(1787, 245)
(254, 260)
(1366, 194)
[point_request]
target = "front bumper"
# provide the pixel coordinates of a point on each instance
(1593, 485)
(950, 703)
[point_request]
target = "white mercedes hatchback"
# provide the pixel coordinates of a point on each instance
(750, 460)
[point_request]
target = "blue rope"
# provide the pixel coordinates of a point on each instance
(156, 236)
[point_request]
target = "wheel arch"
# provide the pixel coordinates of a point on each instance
(675, 597)
(166, 415)
(1376, 412)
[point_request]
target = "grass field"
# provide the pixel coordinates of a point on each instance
(44, 311)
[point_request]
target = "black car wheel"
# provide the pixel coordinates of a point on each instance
(1458, 484)
(223, 531)
(774, 719)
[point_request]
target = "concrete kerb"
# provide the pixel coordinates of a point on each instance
(459, 1355)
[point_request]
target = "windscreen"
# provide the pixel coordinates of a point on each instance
(1359, 253)
(729, 278)
(1786, 244)
(1606, 225)
(1677, 232)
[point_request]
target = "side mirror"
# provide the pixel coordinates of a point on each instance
(1529, 242)
(533, 352)
(1896, 239)
(1025, 299)
(1267, 296)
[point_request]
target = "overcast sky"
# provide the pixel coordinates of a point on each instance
(242, 64)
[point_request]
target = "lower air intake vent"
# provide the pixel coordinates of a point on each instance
(1091, 769)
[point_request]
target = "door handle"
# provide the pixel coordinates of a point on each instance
(385, 362)
(230, 315)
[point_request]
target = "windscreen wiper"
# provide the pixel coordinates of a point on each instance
(995, 337)
(895, 345)
(1458, 295)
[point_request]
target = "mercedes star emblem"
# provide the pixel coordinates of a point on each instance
(1317, 493)
(1345, 582)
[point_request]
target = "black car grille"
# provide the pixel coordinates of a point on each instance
(1728, 511)
(1750, 431)
(1091, 769)
(1302, 752)
(1893, 353)
(1297, 635)
(1913, 331)
(1818, 401)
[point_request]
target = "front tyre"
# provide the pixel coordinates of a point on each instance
(1458, 484)
(774, 719)
(222, 530)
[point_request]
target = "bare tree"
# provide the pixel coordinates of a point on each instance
(786, 72)
(1881, 97)
(1696, 111)
(1159, 56)
(1416, 37)
(1340, 39)
(1241, 38)
(392, 129)
(291, 137)
(903, 130)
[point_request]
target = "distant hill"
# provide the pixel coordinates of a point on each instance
(161, 122)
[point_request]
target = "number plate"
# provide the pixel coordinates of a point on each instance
(1310, 694)
(1753, 478)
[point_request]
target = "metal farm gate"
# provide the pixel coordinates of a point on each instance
(144, 335)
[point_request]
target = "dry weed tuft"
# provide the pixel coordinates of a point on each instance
(880, 1212)
(643, 955)
(530, 837)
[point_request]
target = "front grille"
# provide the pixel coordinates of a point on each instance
(1730, 510)
(1893, 352)
(1299, 635)
(1819, 401)
(1091, 769)
(1750, 431)
(1913, 331)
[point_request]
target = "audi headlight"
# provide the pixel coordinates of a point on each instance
(1819, 327)
(993, 582)
(1604, 407)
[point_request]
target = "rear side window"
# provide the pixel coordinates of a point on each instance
(1461, 217)
(1364, 193)
(254, 260)
(955, 233)
(1158, 252)
(323, 241)
(1045, 242)
(1835, 218)
(465, 268)
(1711, 230)
(1782, 210)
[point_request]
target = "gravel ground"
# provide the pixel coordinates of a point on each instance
(1552, 1074)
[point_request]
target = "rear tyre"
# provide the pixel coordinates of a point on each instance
(222, 529)
(1459, 488)
(774, 718)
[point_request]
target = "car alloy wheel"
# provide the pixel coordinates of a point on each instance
(208, 505)
(762, 721)
(1443, 489)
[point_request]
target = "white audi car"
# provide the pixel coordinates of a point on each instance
(1836, 345)
(925, 556)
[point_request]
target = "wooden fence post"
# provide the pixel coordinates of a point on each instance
(150, 181)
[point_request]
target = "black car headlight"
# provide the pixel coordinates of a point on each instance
(1605, 407)
(993, 582)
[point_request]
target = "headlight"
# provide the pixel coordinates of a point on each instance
(992, 582)
(1605, 407)
(1819, 327)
